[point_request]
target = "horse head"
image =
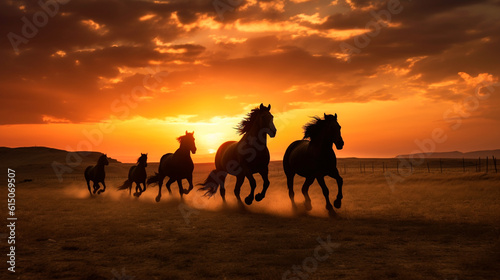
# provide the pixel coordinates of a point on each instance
(187, 141)
(103, 160)
(143, 159)
(333, 131)
(267, 120)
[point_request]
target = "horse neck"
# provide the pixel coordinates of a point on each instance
(321, 145)
(183, 150)
(141, 164)
(253, 138)
(99, 166)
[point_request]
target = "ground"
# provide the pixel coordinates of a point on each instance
(426, 226)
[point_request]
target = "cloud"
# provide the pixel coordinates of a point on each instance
(279, 52)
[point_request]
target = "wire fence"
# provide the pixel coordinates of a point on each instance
(487, 165)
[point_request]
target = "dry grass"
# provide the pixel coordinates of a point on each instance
(431, 226)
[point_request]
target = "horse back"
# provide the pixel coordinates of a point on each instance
(307, 160)
(224, 155)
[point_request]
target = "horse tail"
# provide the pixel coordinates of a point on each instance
(155, 179)
(127, 184)
(212, 183)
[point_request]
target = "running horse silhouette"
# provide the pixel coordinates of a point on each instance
(176, 166)
(244, 158)
(137, 175)
(315, 159)
(96, 174)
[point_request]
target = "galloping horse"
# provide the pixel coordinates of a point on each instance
(97, 175)
(136, 174)
(176, 166)
(244, 158)
(315, 159)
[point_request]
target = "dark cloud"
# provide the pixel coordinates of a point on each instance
(93, 52)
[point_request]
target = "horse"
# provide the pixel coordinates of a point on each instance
(314, 159)
(97, 175)
(176, 166)
(136, 174)
(244, 158)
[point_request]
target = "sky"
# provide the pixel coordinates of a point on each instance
(129, 77)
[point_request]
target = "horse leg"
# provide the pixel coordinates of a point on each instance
(264, 174)
(96, 187)
(144, 184)
(190, 181)
(237, 188)
(289, 183)
(222, 188)
(181, 190)
(253, 185)
(335, 175)
(137, 190)
(88, 186)
(103, 188)
(160, 183)
(326, 193)
(305, 192)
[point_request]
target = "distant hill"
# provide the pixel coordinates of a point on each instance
(457, 154)
(23, 156)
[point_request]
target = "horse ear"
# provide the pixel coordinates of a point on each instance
(261, 106)
(186, 132)
(335, 115)
(192, 133)
(324, 114)
(269, 107)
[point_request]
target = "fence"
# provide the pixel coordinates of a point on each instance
(487, 165)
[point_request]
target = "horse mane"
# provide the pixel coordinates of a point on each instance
(181, 138)
(248, 121)
(312, 128)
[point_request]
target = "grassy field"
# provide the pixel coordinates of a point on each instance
(427, 226)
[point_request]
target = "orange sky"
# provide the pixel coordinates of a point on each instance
(125, 77)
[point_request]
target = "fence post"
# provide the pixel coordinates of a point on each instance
(495, 163)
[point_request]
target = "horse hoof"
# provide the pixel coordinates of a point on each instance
(249, 200)
(308, 205)
(259, 197)
(100, 191)
(158, 198)
(332, 213)
(187, 191)
(136, 194)
(337, 203)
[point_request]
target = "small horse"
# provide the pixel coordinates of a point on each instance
(315, 159)
(176, 166)
(97, 175)
(244, 158)
(136, 174)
